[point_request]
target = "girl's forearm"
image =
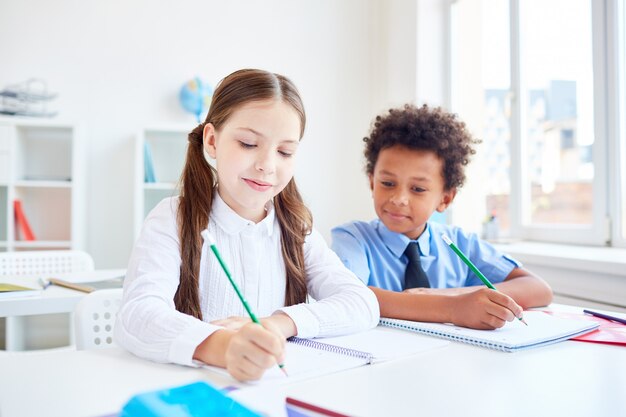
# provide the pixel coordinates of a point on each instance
(212, 350)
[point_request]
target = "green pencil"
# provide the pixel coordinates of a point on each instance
(209, 238)
(471, 266)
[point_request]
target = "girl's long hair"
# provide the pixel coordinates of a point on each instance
(199, 179)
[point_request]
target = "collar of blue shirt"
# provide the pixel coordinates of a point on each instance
(397, 242)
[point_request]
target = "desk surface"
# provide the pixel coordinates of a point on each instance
(565, 379)
(53, 299)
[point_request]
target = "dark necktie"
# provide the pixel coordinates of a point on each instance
(414, 276)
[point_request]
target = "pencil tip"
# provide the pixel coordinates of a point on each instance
(522, 320)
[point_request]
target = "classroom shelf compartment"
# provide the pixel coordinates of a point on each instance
(49, 212)
(167, 148)
(152, 197)
(41, 167)
(43, 153)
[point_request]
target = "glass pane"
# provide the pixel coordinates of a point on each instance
(557, 99)
(480, 96)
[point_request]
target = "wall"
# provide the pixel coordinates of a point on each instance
(118, 66)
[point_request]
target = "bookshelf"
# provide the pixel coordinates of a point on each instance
(41, 166)
(167, 150)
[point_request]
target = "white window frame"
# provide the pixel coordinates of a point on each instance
(616, 47)
(596, 233)
(608, 150)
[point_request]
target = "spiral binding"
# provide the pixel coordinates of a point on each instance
(482, 343)
(332, 348)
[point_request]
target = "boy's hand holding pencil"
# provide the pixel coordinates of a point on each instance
(493, 308)
(484, 309)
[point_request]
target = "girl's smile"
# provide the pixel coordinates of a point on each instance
(258, 185)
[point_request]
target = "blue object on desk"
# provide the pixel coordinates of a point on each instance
(194, 400)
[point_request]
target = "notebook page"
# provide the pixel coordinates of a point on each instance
(541, 329)
(304, 362)
(385, 343)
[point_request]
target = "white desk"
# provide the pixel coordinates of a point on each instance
(566, 379)
(52, 300)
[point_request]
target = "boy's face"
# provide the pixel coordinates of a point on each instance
(408, 186)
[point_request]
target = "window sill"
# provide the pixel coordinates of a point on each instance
(611, 261)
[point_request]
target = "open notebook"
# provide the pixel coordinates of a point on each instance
(8, 290)
(542, 330)
(307, 358)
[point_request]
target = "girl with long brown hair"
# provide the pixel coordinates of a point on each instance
(178, 305)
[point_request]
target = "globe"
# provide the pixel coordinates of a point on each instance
(195, 97)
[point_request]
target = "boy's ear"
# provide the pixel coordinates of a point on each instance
(371, 178)
(208, 139)
(446, 200)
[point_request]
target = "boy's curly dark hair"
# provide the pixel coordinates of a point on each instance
(423, 128)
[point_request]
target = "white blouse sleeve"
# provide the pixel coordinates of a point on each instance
(148, 323)
(344, 304)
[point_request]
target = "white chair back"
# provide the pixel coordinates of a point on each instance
(45, 262)
(94, 318)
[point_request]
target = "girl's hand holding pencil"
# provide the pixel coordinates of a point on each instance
(253, 349)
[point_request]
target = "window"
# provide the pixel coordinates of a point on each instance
(532, 79)
(556, 101)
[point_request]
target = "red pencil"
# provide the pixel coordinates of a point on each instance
(315, 408)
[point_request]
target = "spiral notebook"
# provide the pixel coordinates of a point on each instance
(307, 358)
(542, 330)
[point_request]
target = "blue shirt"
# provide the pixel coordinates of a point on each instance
(376, 255)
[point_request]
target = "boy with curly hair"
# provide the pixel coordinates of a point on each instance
(415, 163)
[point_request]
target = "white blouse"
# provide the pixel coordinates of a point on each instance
(149, 325)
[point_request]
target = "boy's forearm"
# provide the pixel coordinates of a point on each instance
(416, 307)
(527, 290)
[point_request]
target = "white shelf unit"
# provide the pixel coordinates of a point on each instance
(168, 146)
(41, 164)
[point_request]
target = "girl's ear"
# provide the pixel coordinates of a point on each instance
(446, 199)
(208, 139)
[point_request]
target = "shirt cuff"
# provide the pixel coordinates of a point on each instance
(307, 323)
(185, 344)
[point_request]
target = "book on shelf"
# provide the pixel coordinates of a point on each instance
(149, 175)
(21, 222)
(89, 286)
(514, 336)
(8, 290)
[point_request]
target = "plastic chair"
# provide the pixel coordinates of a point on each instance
(45, 262)
(94, 318)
